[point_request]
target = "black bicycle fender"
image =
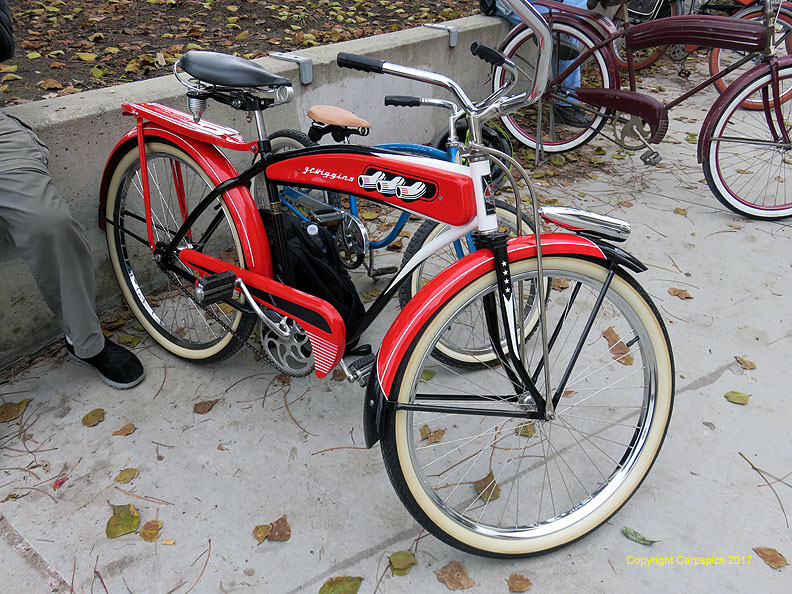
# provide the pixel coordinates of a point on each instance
(619, 256)
(374, 411)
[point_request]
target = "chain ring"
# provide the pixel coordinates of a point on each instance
(245, 341)
(293, 355)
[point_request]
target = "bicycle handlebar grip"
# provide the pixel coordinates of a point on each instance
(486, 53)
(402, 101)
(364, 63)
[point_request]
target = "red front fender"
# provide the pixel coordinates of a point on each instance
(446, 284)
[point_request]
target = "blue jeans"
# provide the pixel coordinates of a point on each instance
(504, 10)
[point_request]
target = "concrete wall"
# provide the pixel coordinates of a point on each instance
(82, 129)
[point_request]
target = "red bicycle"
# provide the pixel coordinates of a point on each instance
(513, 418)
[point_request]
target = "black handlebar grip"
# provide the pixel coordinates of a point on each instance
(402, 101)
(486, 53)
(345, 60)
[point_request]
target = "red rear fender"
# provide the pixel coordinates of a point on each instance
(241, 205)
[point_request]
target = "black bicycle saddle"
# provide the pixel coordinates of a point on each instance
(223, 70)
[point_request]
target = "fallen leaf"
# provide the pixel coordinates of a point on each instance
(13, 410)
(130, 341)
(680, 211)
(169, 542)
(59, 483)
(427, 374)
(558, 160)
(280, 529)
(8, 77)
(527, 429)
(339, 375)
(518, 583)
(367, 215)
(341, 585)
(401, 562)
(568, 393)
(737, 397)
(125, 519)
(637, 536)
(435, 436)
(201, 408)
(487, 488)
(49, 84)
(559, 284)
(425, 431)
(746, 363)
(126, 475)
(150, 530)
(86, 56)
(772, 557)
(681, 293)
(261, 532)
(127, 429)
(455, 576)
(618, 349)
(94, 417)
(744, 171)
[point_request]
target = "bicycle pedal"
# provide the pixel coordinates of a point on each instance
(383, 271)
(215, 288)
(684, 73)
(363, 362)
(651, 158)
(327, 217)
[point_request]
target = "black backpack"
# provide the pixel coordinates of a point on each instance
(317, 267)
(487, 7)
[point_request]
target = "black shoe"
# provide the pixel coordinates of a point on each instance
(119, 367)
(569, 115)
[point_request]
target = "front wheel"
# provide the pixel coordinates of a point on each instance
(161, 298)
(749, 166)
(499, 485)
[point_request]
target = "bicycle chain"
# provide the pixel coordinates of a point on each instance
(227, 328)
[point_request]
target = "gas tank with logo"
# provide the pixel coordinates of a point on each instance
(432, 188)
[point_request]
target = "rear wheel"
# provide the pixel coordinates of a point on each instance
(504, 486)
(558, 135)
(642, 58)
(162, 299)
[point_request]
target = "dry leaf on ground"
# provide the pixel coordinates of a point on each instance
(13, 410)
(127, 429)
(125, 519)
(261, 532)
(737, 397)
(150, 530)
(487, 487)
(280, 529)
(637, 536)
(94, 417)
(341, 585)
(746, 363)
(619, 350)
(518, 583)
(681, 293)
(401, 562)
(455, 576)
(201, 408)
(771, 556)
(126, 475)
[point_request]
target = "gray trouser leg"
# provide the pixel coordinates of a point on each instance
(51, 241)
